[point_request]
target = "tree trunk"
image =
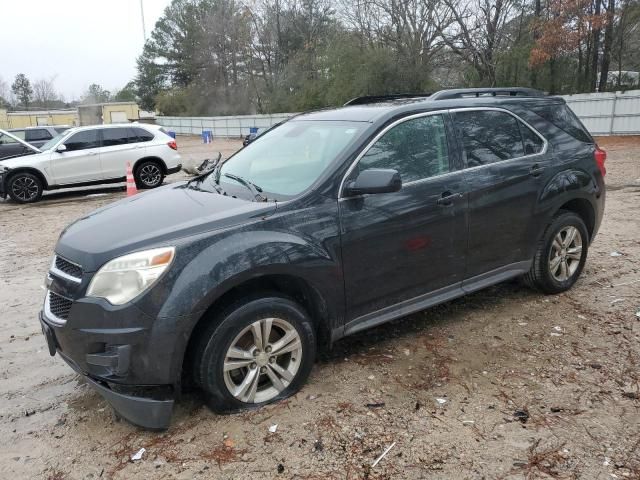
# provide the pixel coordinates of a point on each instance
(606, 51)
(552, 76)
(536, 35)
(595, 50)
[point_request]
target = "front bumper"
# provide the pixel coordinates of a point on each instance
(143, 411)
(4, 171)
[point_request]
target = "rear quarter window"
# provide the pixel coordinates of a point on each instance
(562, 117)
(140, 135)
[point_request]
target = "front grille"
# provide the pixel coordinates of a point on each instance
(59, 306)
(68, 267)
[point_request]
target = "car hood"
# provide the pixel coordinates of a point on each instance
(157, 217)
(23, 159)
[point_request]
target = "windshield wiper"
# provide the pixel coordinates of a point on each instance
(255, 189)
(216, 166)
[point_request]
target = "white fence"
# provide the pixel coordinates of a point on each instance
(602, 113)
(608, 113)
(236, 126)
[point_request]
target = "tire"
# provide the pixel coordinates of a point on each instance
(557, 265)
(148, 174)
(24, 187)
(234, 328)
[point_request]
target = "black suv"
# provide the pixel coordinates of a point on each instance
(335, 221)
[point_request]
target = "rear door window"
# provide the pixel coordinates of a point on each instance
(532, 142)
(416, 148)
(489, 136)
(38, 135)
(112, 137)
(83, 140)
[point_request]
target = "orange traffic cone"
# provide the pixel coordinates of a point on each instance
(131, 183)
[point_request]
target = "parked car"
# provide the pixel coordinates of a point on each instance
(253, 135)
(38, 136)
(334, 222)
(90, 156)
(12, 145)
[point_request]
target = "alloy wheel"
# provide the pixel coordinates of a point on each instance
(262, 360)
(150, 175)
(565, 254)
(24, 188)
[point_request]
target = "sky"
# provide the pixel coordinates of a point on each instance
(79, 42)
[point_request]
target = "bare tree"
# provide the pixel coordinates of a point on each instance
(44, 92)
(477, 33)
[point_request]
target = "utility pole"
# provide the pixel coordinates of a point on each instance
(144, 30)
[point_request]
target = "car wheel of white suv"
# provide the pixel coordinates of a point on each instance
(24, 187)
(149, 175)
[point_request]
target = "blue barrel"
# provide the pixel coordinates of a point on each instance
(172, 134)
(207, 136)
(253, 130)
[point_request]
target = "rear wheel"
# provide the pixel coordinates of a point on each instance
(149, 174)
(260, 352)
(24, 187)
(561, 254)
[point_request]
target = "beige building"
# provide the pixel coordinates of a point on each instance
(104, 113)
(101, 113)
(35, 118)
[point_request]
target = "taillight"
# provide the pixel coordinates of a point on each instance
(600, 156)
(172, 145)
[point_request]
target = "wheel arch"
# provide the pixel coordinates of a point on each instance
(584, 209)
(152, 158)
(287, 285)
(33, 171)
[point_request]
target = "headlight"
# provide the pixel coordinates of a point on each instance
(124, 278)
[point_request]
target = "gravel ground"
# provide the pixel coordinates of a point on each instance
(504, 383)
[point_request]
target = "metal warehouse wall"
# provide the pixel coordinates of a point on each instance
(608, 113)
(220, 126)
(602, 113)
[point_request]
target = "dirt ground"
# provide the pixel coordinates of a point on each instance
(505, 383)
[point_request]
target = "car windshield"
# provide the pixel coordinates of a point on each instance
(49, 145)
(288, 159)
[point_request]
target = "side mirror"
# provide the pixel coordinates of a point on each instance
(374, 180)
(61, 148)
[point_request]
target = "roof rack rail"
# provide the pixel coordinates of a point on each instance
(384, 98)
(486, 92)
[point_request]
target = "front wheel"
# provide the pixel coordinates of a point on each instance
(24, 188)
(256, 353)
(561, 254)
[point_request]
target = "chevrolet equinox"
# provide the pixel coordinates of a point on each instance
(335, 221)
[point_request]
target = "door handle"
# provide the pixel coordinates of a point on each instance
(447, 198)
(536, 170)
(92, 153)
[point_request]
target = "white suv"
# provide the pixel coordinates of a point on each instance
(91, 156)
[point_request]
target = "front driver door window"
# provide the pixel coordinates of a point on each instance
(80, 162)
(402, 245)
